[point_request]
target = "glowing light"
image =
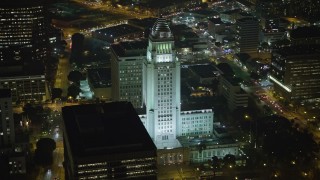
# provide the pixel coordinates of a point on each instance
(280, 84)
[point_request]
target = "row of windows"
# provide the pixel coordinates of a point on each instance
(195, 118)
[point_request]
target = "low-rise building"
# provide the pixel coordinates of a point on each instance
(230, 89)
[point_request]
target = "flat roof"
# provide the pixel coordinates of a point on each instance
(305, 32)
(100, 77)
(5, 93)
(299, 50)
(216, 20)
(204, 70)
(209, 141)
(104, 129)
(130, 48)
(119, 30)
(145, 23)
(28, 69)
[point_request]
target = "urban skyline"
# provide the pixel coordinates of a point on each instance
(224, 89)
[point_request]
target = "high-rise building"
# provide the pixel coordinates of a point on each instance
(24, 44)
(107, 141)
(148, 75)
(23, 32)
(7, 136)
(295, 72)
(126, 70)
(247, 37)
(161, 84)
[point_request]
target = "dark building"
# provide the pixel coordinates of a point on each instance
(107, 141)
(295, 72)
(24, 48)
(305, 35)
(23, 32)
(247, 37)
(6, 119)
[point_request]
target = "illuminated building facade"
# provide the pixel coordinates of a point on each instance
(23, 36)
(7, 136)
(161, 83)
(147, 73)
(107, 141)
(296, 72)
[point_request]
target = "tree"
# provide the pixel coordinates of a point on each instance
(56, 93)
(75, 77)
(46, 144)
(229, 160)
(73, 91)
(215, 162)
(77, 48)
(43, 153)
(28, 109)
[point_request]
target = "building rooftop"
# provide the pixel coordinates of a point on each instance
(299, 50)
(117, 31)
(209, 141)
(130, 48)
(19, 3)
(234, 81)
(305, 32)
(145, 23)
(216, 20)
(5, 93)
(205, 70)
(204, 12)
(105, 129)
(28, 69)
(100, 77)
(180, 27)
(234, 11)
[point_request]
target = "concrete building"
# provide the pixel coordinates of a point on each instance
(161, 86)
(215, 26)
(26, 87)
(126, 71)
(247, 36)
(205, 73)
(295, 72)
(7, 136)
(162, 114)
(230, 89)
(100, 82)
(107, 141)
(212, 146)
(23, 29)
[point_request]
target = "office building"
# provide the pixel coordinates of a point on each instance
(247, 35)
(26, 87)
(295, 73)
(126, 70)
(107, 141)
(230, 89)
(23, 32)
(7, 137)
(305, 35)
